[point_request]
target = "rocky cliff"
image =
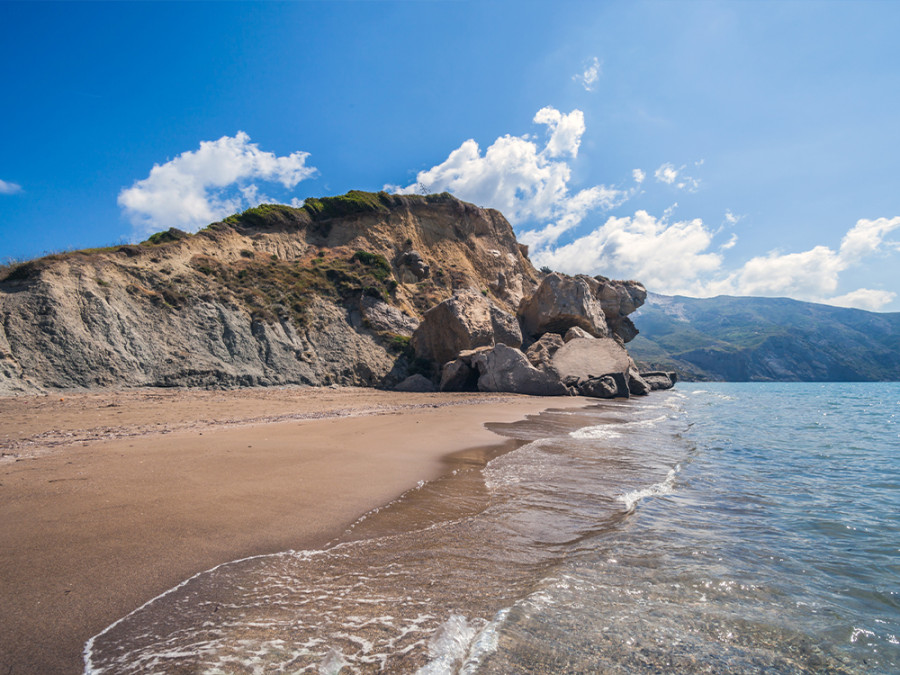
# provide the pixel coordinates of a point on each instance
(328, 293)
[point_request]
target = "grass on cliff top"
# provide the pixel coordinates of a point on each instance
(272, 290)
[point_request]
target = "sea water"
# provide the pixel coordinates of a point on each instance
(714, 528)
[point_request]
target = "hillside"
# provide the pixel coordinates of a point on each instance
(327, 293)
(760, 339)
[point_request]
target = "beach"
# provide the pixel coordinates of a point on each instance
(111, 498)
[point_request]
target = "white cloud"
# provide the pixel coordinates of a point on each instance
(638, 176)
(7, 188)
(730, 243)
(523, 181)
(677, 258)
(668, 174)
(565, 131)
(866, 237)
(864, 298)
(588, 78)
(201, 186)
(808, 275)
(667, 258)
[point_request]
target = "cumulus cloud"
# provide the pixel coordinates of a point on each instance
(527, 183)
(811, 274)
(7, 188)
(588, 78)
(864, 298)
(866, 237)
(666, 257)
(638, 176)
(204, 185)
(679, 258)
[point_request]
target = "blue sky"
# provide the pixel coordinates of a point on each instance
(747, 148)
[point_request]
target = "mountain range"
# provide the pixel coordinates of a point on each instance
(765, 339)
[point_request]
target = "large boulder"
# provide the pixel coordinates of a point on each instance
(581, 361)
(467, 320)
(561, 302)
(585, 359)
(459, 375)
(613, 385)
(541, 352)
(506, 369)
(619, 299)
(637, 385)
(660, 379)
(415, 383)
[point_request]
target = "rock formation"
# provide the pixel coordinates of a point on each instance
(364, 289)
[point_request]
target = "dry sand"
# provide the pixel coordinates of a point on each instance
(109, 499)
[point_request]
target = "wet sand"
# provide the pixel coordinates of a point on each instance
(108, 499)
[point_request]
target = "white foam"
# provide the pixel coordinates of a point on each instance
(449, 645)
(665, 487)
(602, 431)
(484, 644)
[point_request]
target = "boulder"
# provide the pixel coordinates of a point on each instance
(506, 327)
(637, 385)
(506, 369)
(586, 359)
(541, 352)
(458, 375)
(659, 379)
(605, 386)
(415, 383)
(624, 328)
(561, 302)
(575, 333)
(467, 320)
(619, 299)
(413, 267)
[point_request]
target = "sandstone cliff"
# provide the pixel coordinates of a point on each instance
(328, 293)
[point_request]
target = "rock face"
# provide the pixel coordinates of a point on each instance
(324, 294)
(466, 321)
(561, 302)
(366, 289)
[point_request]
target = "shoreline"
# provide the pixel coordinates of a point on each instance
(115, 507)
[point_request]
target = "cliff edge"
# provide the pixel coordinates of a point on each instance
(330, 293)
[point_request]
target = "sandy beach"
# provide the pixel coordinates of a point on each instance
(109, 499)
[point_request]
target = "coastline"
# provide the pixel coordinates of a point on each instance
(115, 506)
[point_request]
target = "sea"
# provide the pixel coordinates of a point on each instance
(711, 528)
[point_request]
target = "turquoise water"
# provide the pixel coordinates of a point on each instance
(714, 528)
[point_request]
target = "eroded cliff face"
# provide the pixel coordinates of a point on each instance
(329, 293)
(325, 294)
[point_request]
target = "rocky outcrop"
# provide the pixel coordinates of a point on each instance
(466, 321)
(561, 302)
(502, 369)
(366, 289)
(619, 299)
(328, 293)
(660, 379)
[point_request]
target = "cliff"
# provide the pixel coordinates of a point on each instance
(766, 339)
(328, 293)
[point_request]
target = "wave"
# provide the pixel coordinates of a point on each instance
(631, 499)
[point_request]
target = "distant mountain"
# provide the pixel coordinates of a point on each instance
(765, 339)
